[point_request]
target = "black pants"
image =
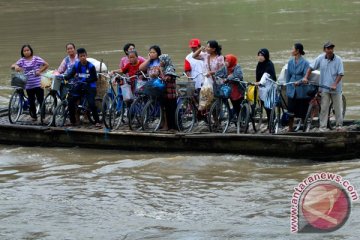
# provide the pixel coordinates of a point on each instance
(170, 109)
(236, 106)
(34, 94)
(90, 94)
(268, 112)
(298, 106)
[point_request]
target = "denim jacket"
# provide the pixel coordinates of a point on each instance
(237, 74)
(296, 72)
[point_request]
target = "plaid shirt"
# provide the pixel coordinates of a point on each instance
(170, 89)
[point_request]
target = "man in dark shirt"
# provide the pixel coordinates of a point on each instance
(85, 77)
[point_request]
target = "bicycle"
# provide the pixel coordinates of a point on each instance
(312, 116)
(19, 103)
(187, 113)
(250, 111)
(220, 112)
(186, 109)
(61, 114)
(113, 105)
(56, 94)
(279, 108)
(152, 115)
(136, 108)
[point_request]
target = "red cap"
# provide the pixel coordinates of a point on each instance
(195, 42)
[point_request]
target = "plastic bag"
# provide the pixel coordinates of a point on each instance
(206, 94)
(271, 97)
(222, 91)
(140, 85)
(265, 86)
(282, 76)
(155, 88)
(251, 93)
(46, 79)
(126, 91)
(99, 65)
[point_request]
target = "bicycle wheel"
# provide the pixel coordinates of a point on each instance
(61, 114)
(275, 120)
(48, 108)
(219, 116)
(118, 117)
(152, 116)
(331, 117)
(243, 118)
(297, 124)
(312, 117)
(258, 113)
(134, 114)
(98, 104)
(86, 111)
(185, 115)
(106, 109)
(15, 106)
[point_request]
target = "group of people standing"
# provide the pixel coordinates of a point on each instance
(201, 62)
(330, 84)
(298, 71)
(74, 67)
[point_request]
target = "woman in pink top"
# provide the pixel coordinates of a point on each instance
(69, 61)
(32, 66)
(125, 60)
(213, 60)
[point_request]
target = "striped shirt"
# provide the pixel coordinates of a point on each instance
(30, 68)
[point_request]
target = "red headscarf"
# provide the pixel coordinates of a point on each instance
(232, 60)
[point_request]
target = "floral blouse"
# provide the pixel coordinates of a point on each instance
(154, 69)
(214, 64)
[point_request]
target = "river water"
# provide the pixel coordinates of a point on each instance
(71, 193)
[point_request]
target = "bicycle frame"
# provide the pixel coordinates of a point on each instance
(249, 110)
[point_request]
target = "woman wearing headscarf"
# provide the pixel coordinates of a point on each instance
(265, 65)
(232, 72)
(298, 100)
(167, 73)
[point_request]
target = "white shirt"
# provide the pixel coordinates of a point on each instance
(197, 70)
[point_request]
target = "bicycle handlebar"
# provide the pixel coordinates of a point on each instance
(192, 78)
(300, 81)
(115, 75)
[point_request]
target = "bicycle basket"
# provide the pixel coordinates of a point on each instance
(18, 80)
(222, 91)
(189, 86)
(154, 88)
(55, 84)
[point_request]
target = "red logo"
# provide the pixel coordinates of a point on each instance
(325, 207)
